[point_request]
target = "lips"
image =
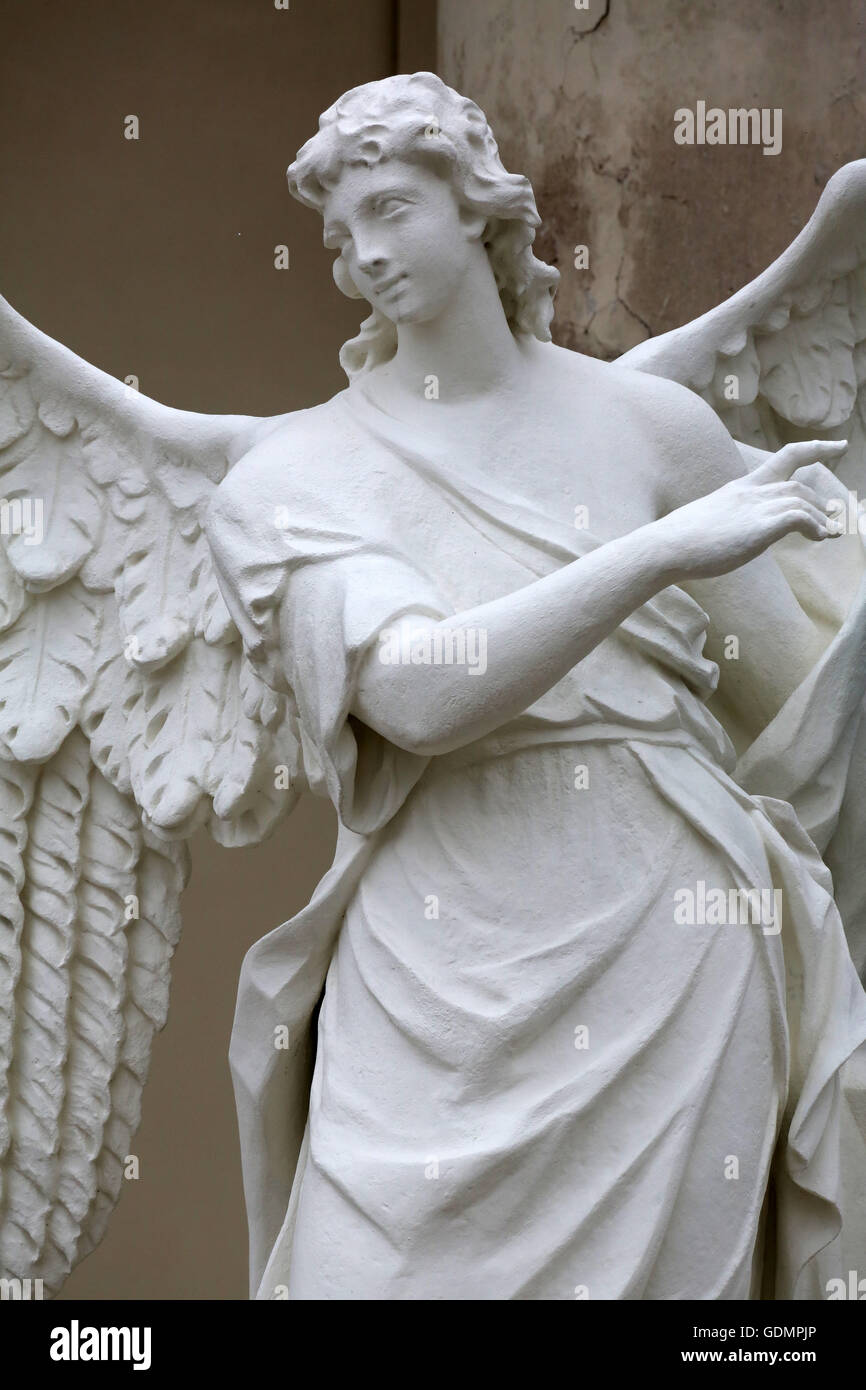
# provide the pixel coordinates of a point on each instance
(387, 285)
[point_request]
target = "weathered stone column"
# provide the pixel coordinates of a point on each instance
(583, 100)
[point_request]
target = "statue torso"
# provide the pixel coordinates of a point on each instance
(574, 436)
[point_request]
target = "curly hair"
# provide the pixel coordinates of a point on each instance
(418, 117)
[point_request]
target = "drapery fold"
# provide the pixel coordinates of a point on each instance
(310, 596)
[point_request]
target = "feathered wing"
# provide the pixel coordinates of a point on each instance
(129, 716)
(785, 358)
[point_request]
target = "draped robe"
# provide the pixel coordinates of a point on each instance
(528, 1079)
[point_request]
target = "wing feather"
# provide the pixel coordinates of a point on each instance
(17, 785)
(109, 853)
(36, 1078)
(785, 357)
(129, 715)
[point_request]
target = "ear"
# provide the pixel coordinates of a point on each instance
(474, 223)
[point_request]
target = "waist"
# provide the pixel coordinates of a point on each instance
(501, 743)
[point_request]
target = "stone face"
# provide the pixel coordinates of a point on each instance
(583, 102)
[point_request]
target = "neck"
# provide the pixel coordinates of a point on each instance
(469, 347)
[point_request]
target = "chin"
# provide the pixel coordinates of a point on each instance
(412, 310)
(406, 313)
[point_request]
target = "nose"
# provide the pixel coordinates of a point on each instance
(370, 258)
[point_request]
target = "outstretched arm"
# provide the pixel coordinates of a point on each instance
(536, 634)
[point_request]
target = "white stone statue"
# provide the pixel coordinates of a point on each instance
(563, 644)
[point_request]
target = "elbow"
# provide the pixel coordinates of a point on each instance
(420, 737)
(422, 709)
(419, 728)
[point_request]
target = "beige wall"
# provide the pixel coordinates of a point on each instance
(156, 258)
(583, 102)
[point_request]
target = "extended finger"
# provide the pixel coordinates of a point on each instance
(799, 455)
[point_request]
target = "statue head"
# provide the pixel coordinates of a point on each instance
(428, 167)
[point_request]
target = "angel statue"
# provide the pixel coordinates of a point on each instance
(575, 1012)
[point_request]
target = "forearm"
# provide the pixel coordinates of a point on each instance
(533, 636)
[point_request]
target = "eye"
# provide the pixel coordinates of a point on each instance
(390, 204)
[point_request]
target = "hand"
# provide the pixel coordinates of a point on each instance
(725, 529)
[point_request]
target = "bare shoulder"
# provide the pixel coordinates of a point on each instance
(293, 435)
(688, 441)
(665, 405)
(287, 451)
